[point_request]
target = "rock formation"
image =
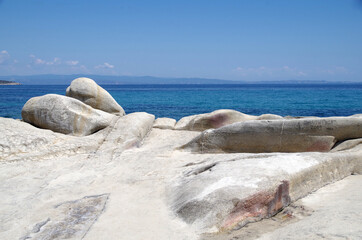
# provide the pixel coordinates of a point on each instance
(65, 115)
(89, 92)
(128, 179)
(164, 123)
(298, 135)
(218, 119)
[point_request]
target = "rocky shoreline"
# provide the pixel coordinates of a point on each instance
(3, 82)
(78, 166)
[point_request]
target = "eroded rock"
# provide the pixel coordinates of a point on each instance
(90, 93)
(164, 123)
(73, 220)
(217, 119)
(65, 115)
(20, 140)
(222, 192)
(298, 135)
(214, 119)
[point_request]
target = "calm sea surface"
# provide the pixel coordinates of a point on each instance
(176, 101)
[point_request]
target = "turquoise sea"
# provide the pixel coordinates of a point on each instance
(176, 101)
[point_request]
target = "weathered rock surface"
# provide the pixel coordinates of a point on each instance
(347, 145)
(222, 193)
(332, 212)
(165, 123)
(90, 93)
(298, 135)
(269, 117)
(217, 119)
(22, 141)
(336, 214)
(73, 220)
(128, 132)
(65, 115)
(214, 119)
(140, 187)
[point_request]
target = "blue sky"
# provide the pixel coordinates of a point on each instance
(249, 40)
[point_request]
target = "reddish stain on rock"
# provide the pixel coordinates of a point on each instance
(218, 120)
(258, 206)
(320, 146)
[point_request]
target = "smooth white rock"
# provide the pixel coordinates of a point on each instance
(89, 92)
(165, 123)
(65, 115)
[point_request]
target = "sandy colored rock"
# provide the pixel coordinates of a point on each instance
(65, 115)
(90, 93)
(298, 135)
(165, 123)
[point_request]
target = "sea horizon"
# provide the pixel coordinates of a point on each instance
(180, 100)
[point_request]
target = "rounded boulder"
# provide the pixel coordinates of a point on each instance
(65, 115)
(89, 92)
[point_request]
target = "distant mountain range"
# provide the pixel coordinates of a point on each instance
(49, 79)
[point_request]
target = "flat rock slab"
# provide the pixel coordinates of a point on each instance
(155, 191)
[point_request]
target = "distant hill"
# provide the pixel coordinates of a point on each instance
(3, 82)
(49, 79)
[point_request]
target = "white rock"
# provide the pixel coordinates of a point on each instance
(89, 92)
(164, 123)
(20, 140)
(65, 115)
(214, 119)
(138, 187)
(295, 135)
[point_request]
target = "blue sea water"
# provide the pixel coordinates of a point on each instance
(177, 101)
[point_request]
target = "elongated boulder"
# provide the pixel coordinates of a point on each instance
(90, 93)
(65, 115)
(298, 135)
(214, 119)
(217, 119)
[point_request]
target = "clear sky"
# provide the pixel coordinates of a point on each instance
(238, 40)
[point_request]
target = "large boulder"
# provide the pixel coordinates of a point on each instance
(217, 119)
(298, 135)
(89, 92)
(65, 115)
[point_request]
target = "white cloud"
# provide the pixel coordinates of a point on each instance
(5, 58)
(72, 62)
(38, 61)
(105, 66)
(336, 70)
